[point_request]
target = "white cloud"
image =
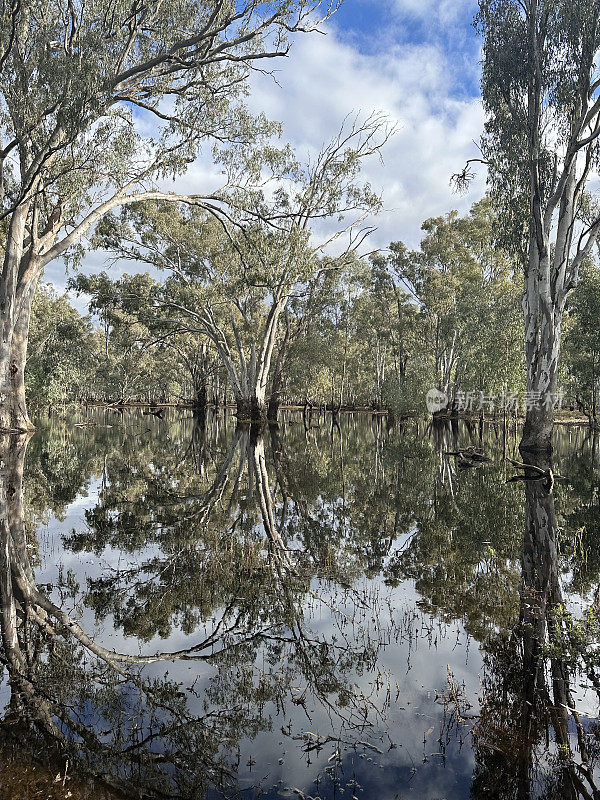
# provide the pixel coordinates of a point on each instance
(326, 78)
(436, 11)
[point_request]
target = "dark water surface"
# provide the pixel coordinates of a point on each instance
(195, 611)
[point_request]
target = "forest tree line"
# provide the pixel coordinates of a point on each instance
(374, 333)
(102, 102)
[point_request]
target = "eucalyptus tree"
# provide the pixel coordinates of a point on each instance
(540, 93)
(64, 350)
(98, 102)
(464, 290)
(582, 341)
(387, 334)
(127, 364)
(233, 281)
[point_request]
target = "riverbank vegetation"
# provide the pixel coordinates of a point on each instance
(374, 333)
(266, 290)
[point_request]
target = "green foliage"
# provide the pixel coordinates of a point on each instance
(582, 340)
(467, 299)
(131, 362)
(377, 333)
(63, 350)
(78, 77)
(539, 59)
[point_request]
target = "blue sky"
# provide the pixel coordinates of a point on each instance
(417, 61)
(372, 24)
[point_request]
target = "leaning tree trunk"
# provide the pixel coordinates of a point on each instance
(252, 407)
(14, 417)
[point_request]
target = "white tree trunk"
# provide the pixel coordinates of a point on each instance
(15, 309)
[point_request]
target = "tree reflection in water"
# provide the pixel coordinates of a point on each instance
(214, 572)
(271, 569)
(524, 742)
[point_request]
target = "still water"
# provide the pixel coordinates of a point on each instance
(192, 610)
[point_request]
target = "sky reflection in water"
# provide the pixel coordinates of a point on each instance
(354, 613)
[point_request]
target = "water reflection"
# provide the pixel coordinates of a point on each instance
(524, 743)
(193, 609)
